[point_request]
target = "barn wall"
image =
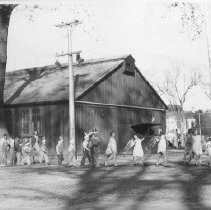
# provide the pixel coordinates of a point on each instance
(106, 119)
(125, 89)
(55, 123)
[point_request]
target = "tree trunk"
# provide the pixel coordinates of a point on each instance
(5, 13)
(183, 123)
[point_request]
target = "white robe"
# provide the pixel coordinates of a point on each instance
(196, 145)
(208, 148)
(138, 150)
(112, 146)
(162, 144)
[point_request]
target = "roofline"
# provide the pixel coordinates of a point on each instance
(95, 83)
(102, 60)
(88, 103)
(86, 62)
(120, 106)
(40, 103)
(152, 88)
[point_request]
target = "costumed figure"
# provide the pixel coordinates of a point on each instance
(86, 149)
(43, 151)
(60, 151)
(111, 150)
(26, 150)
(161, 148)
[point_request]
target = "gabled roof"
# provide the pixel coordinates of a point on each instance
(51, 83)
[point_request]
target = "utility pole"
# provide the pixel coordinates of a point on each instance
(208, 42)
(70, 54)
(199, 123)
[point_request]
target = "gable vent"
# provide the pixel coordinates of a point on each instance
(129, 66)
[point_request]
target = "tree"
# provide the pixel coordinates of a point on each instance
(29, 12)
(175, 88)
(194, 22)
(5, 13)
(191, 17)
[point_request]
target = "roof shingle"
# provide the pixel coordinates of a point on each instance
(51, 83)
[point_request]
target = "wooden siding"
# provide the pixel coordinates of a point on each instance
(124, 89)
(117, 88)
(55, 122)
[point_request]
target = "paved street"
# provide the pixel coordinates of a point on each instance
(176, 186)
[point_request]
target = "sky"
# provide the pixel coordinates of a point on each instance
(147, 29)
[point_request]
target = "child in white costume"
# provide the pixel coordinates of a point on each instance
(161, 148)
(111, 150)
(71, 150)
(26, 149)
(43, 152)
(138, 150)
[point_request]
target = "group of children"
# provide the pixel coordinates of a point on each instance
(24, 151)
(17, 151)
(135, 143)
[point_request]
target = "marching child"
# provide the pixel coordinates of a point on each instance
(43, 152)
(35, 146)
(12, 152)
(94, 147)
(5, 148)
(111, 150)
(135, 142)
(60, 150)
(161, 148)
(71, 150)
(27, 148)
(138, 150)
(17, 150)
(86, 149)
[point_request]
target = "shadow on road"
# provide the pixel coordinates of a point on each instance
(101, 188)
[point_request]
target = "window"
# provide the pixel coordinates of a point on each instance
(30, 121)
(25, 119)
(36, 120)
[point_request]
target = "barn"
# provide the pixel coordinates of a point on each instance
(110, 94)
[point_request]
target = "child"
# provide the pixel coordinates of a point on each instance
(161, 148)
(94, 147)
(111, 150)
(17, 150)
(208, 149)
(138, 150)
(5, 148)
(188, 145)
(43, 151)
(71, 150)
(27, 148)
(12, 152)
(60, 150)
(86, 150)
(35, 146)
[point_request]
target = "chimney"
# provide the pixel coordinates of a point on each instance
(79, 59)
(58, 64)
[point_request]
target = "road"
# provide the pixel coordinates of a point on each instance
(176, 186)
